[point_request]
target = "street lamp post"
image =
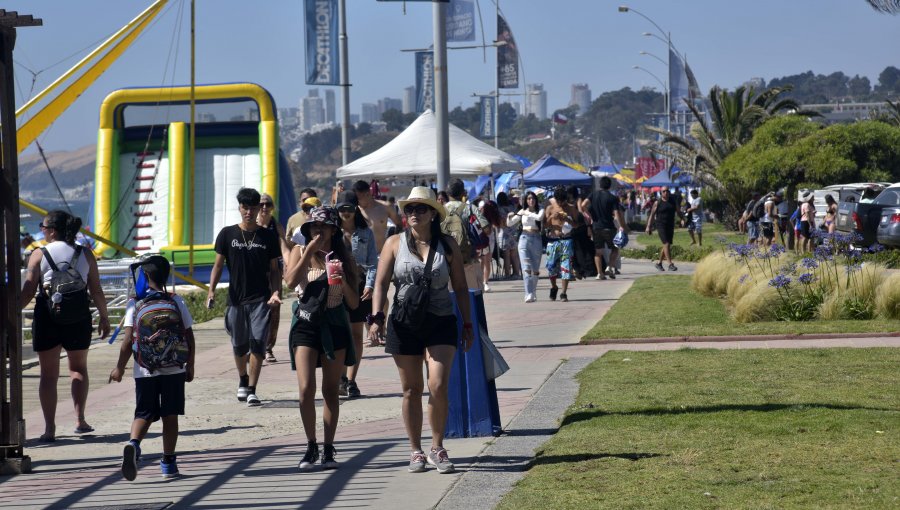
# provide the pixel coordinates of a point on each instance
(665, 87)
(667, 38)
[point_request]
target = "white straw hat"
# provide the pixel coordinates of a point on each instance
(424, 195)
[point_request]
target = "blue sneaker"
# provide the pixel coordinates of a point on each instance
(169, 469)
(130, 457)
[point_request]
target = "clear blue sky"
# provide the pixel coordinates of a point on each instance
(561, 41)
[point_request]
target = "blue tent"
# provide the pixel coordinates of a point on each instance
(678, 179)
(606, 169)
(548, 171)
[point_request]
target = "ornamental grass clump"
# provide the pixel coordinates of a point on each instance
(887, 298)
(770, 284)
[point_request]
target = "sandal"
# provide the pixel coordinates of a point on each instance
(83, 430)
(564, 298)
(553, 291)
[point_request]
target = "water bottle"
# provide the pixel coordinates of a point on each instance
(56, 298)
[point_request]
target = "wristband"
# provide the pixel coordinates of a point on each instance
(377, 318)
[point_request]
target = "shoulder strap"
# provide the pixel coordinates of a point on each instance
(431, 249)
(75, 255)
(49, 258)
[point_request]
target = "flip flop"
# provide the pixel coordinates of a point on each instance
(46, 439)
(83, 430)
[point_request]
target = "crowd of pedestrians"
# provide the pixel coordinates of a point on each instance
(340, 260)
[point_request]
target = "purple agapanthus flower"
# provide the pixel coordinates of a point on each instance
(789, 268)
(776, 250)
(876, 248)
(779, 282)
(809, 263)
(743, 278)
(852, 268)
(806, 278)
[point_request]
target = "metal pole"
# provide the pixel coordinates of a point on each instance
(497, 92)
(439, 11)
(191, 150)
(345, 85)
(669, 88)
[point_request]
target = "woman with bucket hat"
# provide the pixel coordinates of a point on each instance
(423, 262)
(326, 275)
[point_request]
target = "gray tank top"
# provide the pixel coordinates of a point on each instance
(408, 267)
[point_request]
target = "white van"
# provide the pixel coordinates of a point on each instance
(856, 192)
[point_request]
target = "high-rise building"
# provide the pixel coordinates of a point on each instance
(409, 100)
(312, 110)
(369, 113)
(329, 106)
(581, 96)
(536, 100)
(389, 103)
(288, 117)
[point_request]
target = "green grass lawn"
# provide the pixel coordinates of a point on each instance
(714, 235)
(667, 306)
(699, 428)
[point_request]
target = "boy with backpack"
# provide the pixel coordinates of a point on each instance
(158, 335)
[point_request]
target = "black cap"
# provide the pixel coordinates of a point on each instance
(156, 267)
(346, 198)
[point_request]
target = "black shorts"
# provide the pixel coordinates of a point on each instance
(603, 238)
(805, 229)
(303, 334)
(364, 308)
(768, 230)
(159, 396)
(46, 334)
(666, 233)
(437, 330)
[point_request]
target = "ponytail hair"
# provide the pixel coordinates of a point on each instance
(66, 225)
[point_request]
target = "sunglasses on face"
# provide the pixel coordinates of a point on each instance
(265, 204)
(416, 208)
(347, 209)
(42, 226)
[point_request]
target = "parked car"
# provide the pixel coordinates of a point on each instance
(889, 228)
(855, 192)
(865, 215)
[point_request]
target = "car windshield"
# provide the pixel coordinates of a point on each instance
(889, 197)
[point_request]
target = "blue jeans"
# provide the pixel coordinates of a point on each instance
(530, 252)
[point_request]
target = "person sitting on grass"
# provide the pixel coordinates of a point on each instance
(161, 371)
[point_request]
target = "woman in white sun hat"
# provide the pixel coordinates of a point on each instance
(432, 339)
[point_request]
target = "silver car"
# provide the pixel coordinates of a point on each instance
(888, 232)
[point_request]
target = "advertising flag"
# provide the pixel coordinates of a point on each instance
(461, 21)
(424, 81)
(507, 57)
(679, 84)
(693, 87)
(322, 42)
(487, 116)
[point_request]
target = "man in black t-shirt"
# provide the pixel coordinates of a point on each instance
(604, 208)
(251, 254)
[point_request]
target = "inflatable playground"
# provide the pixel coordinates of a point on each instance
(143, 180)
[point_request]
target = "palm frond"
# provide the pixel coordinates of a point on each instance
(885, 6)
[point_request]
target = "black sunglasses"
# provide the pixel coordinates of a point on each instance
(265, 204)
(416, 208)
(347, 209)
(42, 226)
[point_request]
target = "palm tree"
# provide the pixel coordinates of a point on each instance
(733, 117)
(892, 115)
(885, 6)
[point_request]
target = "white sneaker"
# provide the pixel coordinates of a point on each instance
(530, 298)
(487, 288)
(253, 400)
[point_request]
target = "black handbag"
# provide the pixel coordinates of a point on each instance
(409, 314)
(311, 305)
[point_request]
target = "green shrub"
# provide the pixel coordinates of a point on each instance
(680, 253)
(196, 304)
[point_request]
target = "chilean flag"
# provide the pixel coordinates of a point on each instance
(560, 118)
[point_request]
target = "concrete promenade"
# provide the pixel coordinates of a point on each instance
(232, 456)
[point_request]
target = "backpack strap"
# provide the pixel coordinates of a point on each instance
(49, 258)
(428, 263)
(75, 255)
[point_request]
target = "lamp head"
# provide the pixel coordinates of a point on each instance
(623, 8)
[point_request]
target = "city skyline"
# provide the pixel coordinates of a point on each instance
(575, 41)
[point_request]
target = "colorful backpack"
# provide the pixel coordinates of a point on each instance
(159, 333)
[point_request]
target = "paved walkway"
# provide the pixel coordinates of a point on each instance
(232, 456)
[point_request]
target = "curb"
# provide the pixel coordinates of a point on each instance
(735, 338)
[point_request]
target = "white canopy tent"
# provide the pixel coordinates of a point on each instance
(414, 154)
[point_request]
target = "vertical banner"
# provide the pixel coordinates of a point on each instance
(424, 81)
(461, 21)
(507, 57)
(322, 42)
(679, 84)
(488, 128)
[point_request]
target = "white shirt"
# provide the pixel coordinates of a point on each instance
(298, 238)
(696, 214)
(62, 254)
(140, 371)
(530, 219)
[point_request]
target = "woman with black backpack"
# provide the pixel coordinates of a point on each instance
(423, 264)
(64, 273)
